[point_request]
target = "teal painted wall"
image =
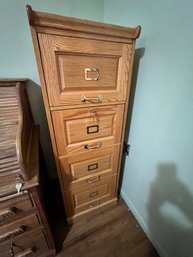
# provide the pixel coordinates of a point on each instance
(17, 57)
(157, 181)
(158, 174)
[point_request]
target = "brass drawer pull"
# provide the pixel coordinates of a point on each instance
(87, 70)
(98, 145)
(99, 99)
(93, 194)
(12, 234)
(24, 253)
(93, 180)
(93, 205)
(6, 213)
(93, 166)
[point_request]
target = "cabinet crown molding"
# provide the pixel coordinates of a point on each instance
(47, 20)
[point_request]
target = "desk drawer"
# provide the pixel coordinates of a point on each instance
(11, 208)
(32, 244)
(19, 227)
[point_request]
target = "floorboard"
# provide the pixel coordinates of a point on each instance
(111, 233)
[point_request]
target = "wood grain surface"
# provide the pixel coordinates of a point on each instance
(112, 232)
(85, 70)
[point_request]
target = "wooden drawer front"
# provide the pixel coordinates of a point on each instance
(13, 230)
(32, 244)
(88, 167)
(81, 198)
(11, 208)
(74, 67)
(95, 192)
(88, 128)
(82, 169)
(81, 130)
(94, 204)
(88, 71)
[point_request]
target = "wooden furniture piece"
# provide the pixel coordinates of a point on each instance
(16, 132)
(85, 70)
(24, 229)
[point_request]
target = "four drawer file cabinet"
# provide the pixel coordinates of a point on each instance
(85, 71)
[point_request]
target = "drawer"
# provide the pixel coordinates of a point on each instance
(95, 204)
(82, 130)
(13, 207)
(32, 244)
(82, 169)
(83, 198)
(77, 67)
(15, 229)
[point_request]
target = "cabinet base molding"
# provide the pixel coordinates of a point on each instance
(95, 210)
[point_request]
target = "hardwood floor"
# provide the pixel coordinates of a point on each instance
(111, 233)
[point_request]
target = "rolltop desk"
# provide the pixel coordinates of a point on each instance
(24, 229)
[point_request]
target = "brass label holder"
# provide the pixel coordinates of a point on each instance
(92, 129)
(93, 166)
(86, 74)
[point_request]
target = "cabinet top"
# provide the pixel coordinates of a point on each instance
(47, 20)
(12, 80)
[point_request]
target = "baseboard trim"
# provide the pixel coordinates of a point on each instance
(143, 225)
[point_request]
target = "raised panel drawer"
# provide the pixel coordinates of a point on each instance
(83, 198)
(85, 129)
(93, 205)
(88, 71)
(87, 196)
(76, 67)
(82, 169)
(15, 229)
(31, 244)
(13, 207)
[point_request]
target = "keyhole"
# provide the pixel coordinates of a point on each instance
(92, 110)
(94, 115)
